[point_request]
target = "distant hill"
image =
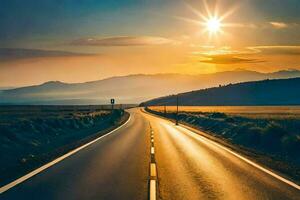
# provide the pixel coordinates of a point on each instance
(129, 89)
(6, 88)
(267, 92)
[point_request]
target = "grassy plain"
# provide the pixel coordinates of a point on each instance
(255, 111)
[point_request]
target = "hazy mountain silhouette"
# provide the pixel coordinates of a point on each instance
(267, 92)
(129, 89)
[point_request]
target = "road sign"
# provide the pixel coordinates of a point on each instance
(112, 101)
(176, 109)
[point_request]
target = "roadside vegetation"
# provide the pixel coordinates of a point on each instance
(275, 137)
(33, 135)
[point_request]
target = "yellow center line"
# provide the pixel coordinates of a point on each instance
(153, 170)
(153, 173)
(152, 150)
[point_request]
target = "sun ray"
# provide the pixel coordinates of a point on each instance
(188, 20)
(229, 12)
(207, 9)
(195, 11)
(216, 10)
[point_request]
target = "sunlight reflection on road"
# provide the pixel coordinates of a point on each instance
(207, 168)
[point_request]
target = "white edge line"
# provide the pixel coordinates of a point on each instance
(152, 189)
(42, 168)
(248, 161)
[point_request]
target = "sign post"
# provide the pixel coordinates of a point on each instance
(176, 109)
(112, 102)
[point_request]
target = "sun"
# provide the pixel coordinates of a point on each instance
(211, 20)
(213, 25)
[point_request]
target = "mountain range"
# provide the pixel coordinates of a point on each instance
(130, 89)
(266, 92)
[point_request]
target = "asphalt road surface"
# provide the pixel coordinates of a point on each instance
(189, 166)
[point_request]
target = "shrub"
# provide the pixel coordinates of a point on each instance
(217, 115)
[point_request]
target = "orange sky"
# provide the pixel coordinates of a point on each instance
(145, 37)
(139, 60)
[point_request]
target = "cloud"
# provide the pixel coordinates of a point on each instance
(247, 51)
(7, 54)
(263, 25)
(228, 55)
(242, 25)
(123, 41)
(282, 50)
(209, 51)
(227, 59)
(279, 25)
(224, 55)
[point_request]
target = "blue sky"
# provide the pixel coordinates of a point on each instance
(57, 20)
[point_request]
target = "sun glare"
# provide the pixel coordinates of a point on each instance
(212, 21)
(213, 25)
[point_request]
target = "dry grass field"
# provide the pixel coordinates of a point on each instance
(246, 111)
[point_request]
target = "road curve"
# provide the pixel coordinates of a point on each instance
(117, 167)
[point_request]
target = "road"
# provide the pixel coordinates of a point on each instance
(189, 166)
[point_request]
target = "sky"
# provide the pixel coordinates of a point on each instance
(85, 40)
